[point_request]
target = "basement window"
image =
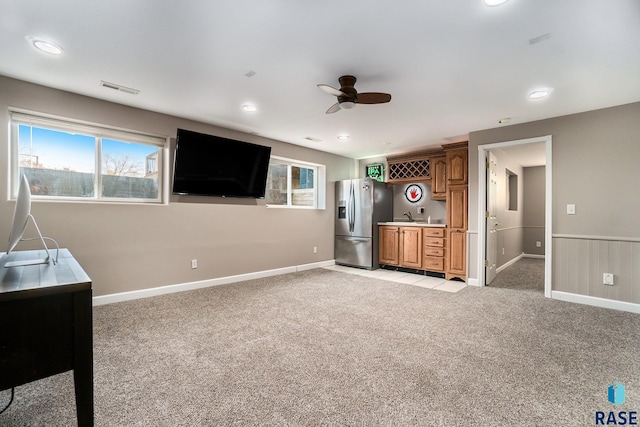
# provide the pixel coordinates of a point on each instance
(68, 160)
(295, 184)
(512, 190)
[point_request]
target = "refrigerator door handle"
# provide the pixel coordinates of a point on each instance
(352, 208)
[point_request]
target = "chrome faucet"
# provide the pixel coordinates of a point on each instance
(408, 215)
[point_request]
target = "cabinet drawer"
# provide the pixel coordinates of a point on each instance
(433, 232)
(433, 251)
(433, 263)
(434, 241)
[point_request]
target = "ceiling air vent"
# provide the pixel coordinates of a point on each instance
(119, 87)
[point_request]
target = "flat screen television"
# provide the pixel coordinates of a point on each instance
(208, 165)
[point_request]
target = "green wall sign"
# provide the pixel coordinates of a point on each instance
(376, 171)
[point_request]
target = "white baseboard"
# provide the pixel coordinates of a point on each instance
(509, 263)
(533, 256)
(595, 301)
(162, 290)
(472, 282)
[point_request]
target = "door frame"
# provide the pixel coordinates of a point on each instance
(482, 205)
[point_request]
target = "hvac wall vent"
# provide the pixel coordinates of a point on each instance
(119, 87)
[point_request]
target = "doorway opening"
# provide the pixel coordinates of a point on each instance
(514, 223)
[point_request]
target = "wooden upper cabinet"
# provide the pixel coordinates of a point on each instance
(411, 167)
(439, 178)
(457, 207)
(457, 163)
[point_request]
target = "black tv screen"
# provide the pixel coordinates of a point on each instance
(209, 165)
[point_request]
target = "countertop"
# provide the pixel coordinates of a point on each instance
(412, 224)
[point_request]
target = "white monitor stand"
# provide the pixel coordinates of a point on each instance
(21, 217)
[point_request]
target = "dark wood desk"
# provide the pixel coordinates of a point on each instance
(46, 325)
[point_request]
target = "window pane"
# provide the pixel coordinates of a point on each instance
(276, 193)
(57, 163)
(129, 170)
(302, 186)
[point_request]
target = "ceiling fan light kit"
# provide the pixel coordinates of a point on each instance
(347, 105)
(348, 97)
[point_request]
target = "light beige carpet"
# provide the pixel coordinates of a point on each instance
(328, 348)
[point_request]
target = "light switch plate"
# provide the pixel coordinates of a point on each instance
(571, 209)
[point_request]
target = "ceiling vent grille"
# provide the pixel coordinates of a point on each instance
(119, 87)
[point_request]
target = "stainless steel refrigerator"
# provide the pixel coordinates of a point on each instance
(360, 205)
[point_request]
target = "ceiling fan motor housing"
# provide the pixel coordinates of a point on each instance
(350, 97)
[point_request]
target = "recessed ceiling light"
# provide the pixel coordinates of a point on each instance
(494, 2)
(343, 137)
(250, 108)
(539, 93)
(45, 46)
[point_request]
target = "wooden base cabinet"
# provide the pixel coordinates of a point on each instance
(400, 246)
(388, 253)
(411, 247)
(457, 254)
(433, 240)
(420, 248)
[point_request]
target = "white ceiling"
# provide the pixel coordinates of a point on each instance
(527, 155)
(452, 66)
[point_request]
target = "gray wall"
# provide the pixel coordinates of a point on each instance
(133, 247)
(436, 209)
(595, 166)
(533, 205)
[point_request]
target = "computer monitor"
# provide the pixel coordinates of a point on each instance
(21, 216)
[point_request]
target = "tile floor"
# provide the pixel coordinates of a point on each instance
(406, 278)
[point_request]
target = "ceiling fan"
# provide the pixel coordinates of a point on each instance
(348, 97)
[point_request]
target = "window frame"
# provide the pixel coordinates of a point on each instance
(319, 180)
(98, 132)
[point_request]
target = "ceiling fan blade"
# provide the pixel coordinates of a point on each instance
(335, 107)
(330, 90)
(373, 98)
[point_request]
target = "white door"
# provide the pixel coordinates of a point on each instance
(492, 219)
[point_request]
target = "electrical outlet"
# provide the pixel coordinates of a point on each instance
(194, 263)
(571, 209)
(315, 249)
(607, 279)
(420, 210)
(538, 244)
